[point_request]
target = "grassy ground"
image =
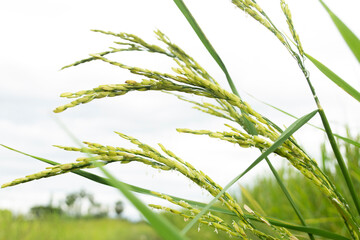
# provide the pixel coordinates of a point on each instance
(57, 228)
(70, 229)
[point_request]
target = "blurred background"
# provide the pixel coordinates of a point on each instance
(39, 37)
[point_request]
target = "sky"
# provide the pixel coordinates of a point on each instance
(39, 37)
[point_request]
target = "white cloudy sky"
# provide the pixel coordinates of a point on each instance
(39, 37)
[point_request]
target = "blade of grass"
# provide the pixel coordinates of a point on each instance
(185, 11)
(249, 126)
(311, 230)
(340, 160)
(288, 196)
(350, 219)
(133, 188)
(350, 38)
(348, 140)
(283, 137)
(335, 78)
(160, 224)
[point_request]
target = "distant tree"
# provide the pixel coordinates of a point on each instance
(119, 208)
(76, 205)
(96, 210)
(45, 211)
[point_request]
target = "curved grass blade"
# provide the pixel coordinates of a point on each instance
(311, 230)
(341, 162)
(283, 137)
(350, 38)
(105, 181)
(335, 78)
(249, 126)
(348, 140)
(161, 225)
(185, 11)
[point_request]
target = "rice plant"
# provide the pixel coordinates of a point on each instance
(187, 80)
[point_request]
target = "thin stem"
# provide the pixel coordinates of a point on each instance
(340, 160)
(332, 141)
(287, 194)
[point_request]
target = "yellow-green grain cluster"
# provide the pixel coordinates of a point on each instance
(254, 10)
(167, 160)
(286, 10)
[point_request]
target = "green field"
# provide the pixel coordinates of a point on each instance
(64, 228)
(60, 228)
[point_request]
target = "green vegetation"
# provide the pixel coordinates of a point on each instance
(55, 227)
(303, 186)
(316, 210)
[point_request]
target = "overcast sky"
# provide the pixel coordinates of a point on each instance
(39, 37)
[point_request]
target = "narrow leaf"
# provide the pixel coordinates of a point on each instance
(160, 224)
(185, 11)
(335, 78)
(350, 38)
(249, 126)
(343, 168)
(348, 140)
(282, 138)
(312, 230)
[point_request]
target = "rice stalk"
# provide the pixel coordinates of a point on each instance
(259, 15)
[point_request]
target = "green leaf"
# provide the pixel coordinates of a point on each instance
(335, 78)
(344, 171)
(160, 224)
(248, 126)
(350, 38)
(348, 140)
(133, 188)
(312, 230)
(282, 138)
(185, 11)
